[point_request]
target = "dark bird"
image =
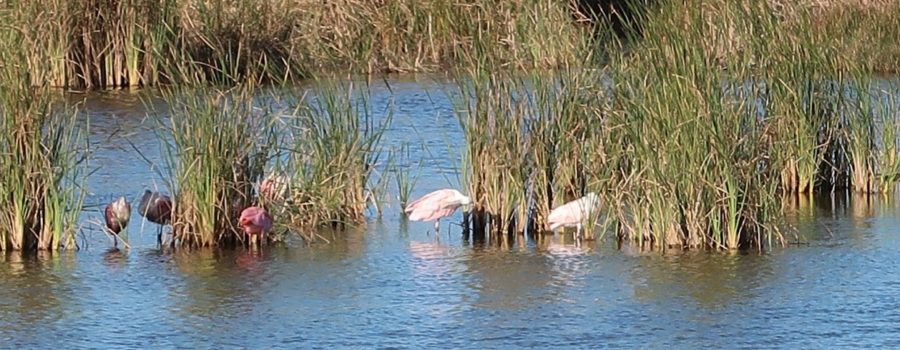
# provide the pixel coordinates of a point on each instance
(156, 208)
(117, 215)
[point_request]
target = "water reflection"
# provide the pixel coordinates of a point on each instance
(709, 281)
(115, 259)
(43, 293)
(218, 286)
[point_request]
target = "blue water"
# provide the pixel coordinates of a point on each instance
(392, 284)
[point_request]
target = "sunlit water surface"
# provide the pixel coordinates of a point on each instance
(393, 285)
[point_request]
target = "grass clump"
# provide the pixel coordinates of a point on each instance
(335, 145)
(41, 152)
(216, 145)
(531, 146)
(712, 112)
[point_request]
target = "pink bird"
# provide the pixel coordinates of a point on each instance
(574, 213)
(274, 187)
(436, 205)
(256, 222)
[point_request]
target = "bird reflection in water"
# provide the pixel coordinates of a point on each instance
(115, 258)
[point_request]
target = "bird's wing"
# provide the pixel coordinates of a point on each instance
(569, 213)
(437, 205)
(429, 200)
(564, 214)
(108, 215)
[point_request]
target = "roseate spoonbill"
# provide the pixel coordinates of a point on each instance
(274, 187)
(117, 214)
(156, 208)
(436, 205)
(574, 213)
(256, 222)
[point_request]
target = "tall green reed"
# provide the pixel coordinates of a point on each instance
(42, 167)
(335, 147)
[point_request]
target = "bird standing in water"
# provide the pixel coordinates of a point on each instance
(117, 214)
(156, 208)
(436, 205)
(256, 223)
(575, 213)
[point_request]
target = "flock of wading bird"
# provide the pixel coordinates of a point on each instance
(256, 221)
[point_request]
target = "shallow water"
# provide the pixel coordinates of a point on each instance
(394, 285)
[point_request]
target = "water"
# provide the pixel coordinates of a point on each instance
(392, 285)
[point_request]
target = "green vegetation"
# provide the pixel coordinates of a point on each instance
(698, 124)
(216, 145)
(334, 144)
(41, 153)
(104, 44)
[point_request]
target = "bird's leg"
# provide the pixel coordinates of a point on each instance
(159, 236)
(253, 242)
(115, 242)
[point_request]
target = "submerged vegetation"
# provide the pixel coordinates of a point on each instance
(692, 120)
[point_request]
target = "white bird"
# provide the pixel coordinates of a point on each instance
(436, 205)
(574, 213)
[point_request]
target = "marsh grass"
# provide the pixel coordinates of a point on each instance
(871, 137)
(727, 107)
(44, 152)
(335, 148)
(713, 112)
(216, 144)
(530, 146)
(107, 44)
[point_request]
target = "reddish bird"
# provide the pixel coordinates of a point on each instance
(117, 214)
(274, 187)
(256, 222)
(574, 213)
(156, 208)
(436, 205)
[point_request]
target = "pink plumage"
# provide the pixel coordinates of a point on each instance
(256, 221)
(274, 187)
(436, 205)
(573, 213)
